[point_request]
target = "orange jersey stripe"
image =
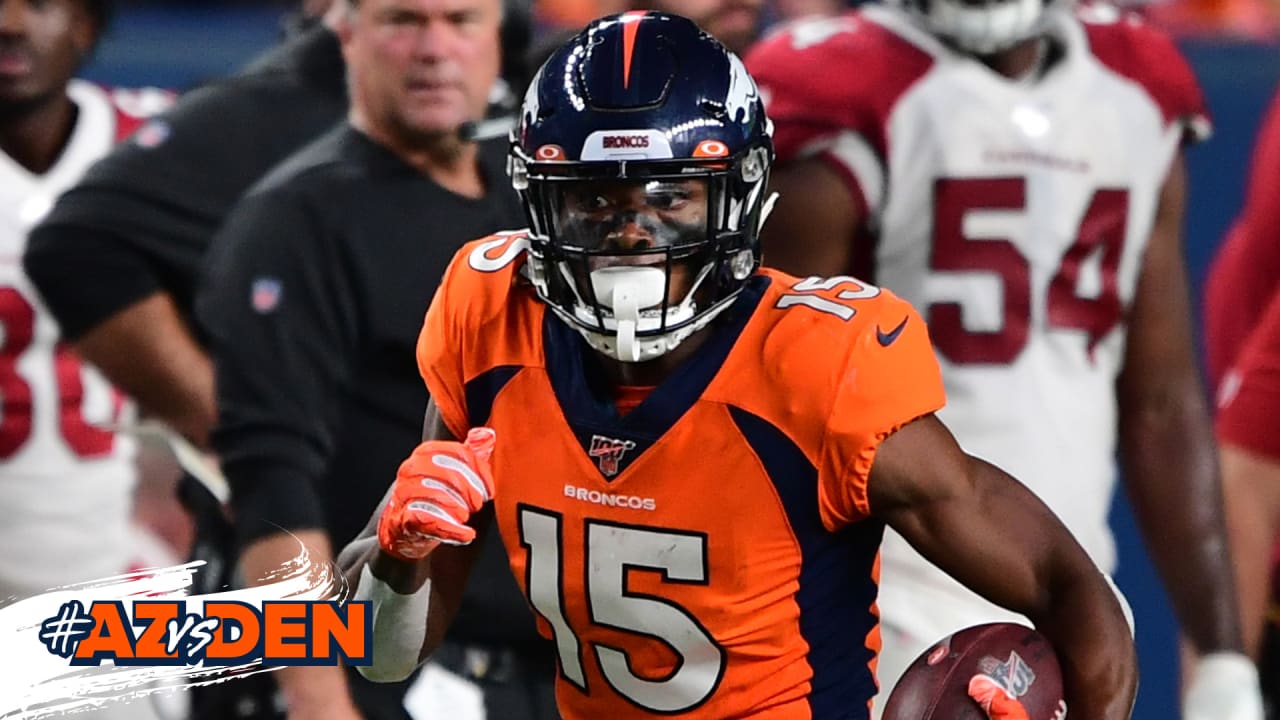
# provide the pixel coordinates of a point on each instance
(630, 28)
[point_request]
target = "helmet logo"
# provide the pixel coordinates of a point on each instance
(625, 141)
(711, 149)
(530, 105)
(630, 28)
(644, 144)
(549, 152)
(742, 92)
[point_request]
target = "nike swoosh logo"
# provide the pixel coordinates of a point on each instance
(886, 338)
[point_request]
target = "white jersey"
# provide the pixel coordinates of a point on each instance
(65, 483)
(1013, 214)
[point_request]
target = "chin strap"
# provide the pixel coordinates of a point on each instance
(625, 290)
(626, 310)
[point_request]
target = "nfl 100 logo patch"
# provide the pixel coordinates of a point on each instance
(608, 453)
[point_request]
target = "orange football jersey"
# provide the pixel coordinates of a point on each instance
(711, 553)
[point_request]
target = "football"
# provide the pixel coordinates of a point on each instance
(935, 686)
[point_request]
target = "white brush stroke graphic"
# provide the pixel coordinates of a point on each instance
(35, 683)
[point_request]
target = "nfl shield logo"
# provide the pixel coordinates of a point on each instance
(264, 295)
(608, 453)
(152, 134)
(1014, 675)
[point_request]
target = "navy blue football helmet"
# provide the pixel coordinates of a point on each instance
(642, 156)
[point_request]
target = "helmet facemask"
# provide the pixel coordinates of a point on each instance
(642, 158)
(982, 27)
(637, 256)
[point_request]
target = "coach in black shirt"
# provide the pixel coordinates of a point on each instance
(314, 294)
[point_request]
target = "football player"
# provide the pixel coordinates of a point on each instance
(1013, 168)
(57, 467)
(66, 484)
(1248, 415)
(691, 459)
(1242, 342)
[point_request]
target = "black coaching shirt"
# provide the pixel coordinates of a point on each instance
(313, 298)
(140, 220)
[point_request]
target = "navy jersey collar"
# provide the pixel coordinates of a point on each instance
(585, 394)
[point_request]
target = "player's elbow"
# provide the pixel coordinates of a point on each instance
(1085, 596)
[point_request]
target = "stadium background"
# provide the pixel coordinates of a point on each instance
(178, 45)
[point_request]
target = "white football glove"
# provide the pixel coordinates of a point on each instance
(1224, 686)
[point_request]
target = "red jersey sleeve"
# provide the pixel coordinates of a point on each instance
(891, 378)
(829, 85)
(1245, 274)
(1249, 401)
(1133, 49)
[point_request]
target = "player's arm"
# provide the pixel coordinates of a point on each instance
(108, 296)
(1250, 453)
(1241, 301)
(1166, 444)
(414, 556)
(405, 565)
(1251, 484)
(116, 258)
(1171, 471)
(814, 222)
(148, 352)
(993, 535)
